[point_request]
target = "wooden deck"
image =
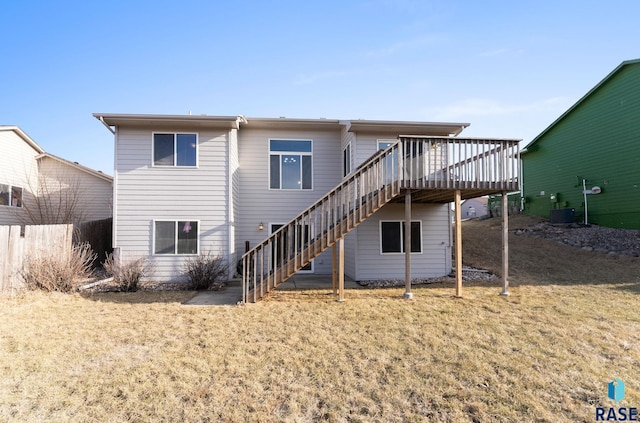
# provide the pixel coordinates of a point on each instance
(432, 169)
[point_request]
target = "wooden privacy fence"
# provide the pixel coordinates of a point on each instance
(37, 240)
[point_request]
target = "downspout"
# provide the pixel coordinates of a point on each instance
(521, 176)
(106, 125)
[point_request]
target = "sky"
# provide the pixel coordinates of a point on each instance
(509, 68)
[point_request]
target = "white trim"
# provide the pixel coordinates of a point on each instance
(114, 195)
(401, 237)
(311, 235)
(153, 237)
(175, 149)
(280, 153)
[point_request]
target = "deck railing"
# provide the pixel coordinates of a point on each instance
(411, 163)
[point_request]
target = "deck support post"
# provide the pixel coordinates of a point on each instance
(334, 268)
(458, 242)
(408, 295)
(340, 244)
(505, 244)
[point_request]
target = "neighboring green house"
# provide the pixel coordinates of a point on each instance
(593, 145)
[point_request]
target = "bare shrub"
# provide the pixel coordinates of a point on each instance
(59, 273)
(126, 275)
(206, 271)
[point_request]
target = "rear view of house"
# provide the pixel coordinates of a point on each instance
(187, 185)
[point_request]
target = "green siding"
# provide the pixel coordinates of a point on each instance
(599, 140)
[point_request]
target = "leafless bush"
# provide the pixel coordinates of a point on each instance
(126, 275)
(59, 273)
(206, 271)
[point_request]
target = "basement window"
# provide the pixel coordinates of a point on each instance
(392, 235)
(175, 237)
(10, 195)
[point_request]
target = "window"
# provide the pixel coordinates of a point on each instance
(10, 196)
(346, 160)
(175, 149)
(175, 237)
(390, 162)
(290, 164)
(384, 144)
(392, 236)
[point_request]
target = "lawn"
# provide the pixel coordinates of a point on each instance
(546, 353)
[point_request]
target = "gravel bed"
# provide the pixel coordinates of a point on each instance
(624, 242)
(468, 274)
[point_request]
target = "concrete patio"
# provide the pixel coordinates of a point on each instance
(232, 294)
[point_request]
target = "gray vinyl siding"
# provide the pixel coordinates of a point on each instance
(260, 204)
(367, 145)
(94, 193)
(145, 193)
(435, 259)
(17, 168)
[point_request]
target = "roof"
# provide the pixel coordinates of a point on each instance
(235, 122)
(22, 135)
(587, 95)
(481, 200)
(78, 166)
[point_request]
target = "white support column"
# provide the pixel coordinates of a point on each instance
(408, 295)
(505, 245)
(458, 225)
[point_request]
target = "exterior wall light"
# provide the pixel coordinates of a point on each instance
(260, 227)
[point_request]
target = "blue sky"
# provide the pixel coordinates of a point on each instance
(509, 68)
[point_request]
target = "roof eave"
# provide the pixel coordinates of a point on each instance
(78, 166)
(24, 137)
(113, 119)
(412, 127)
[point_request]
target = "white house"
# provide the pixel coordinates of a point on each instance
(475, 208)
(184, 185)
(39, 188)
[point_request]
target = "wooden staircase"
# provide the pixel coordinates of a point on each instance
(435, 166)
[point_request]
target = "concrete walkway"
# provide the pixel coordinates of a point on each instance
(232, 294)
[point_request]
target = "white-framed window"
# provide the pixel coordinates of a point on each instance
(290, 164)
(384, 144)
(346, 160)
(175, 237)
(392, 234)
(390, 163)
(175, 149)
(10, 195)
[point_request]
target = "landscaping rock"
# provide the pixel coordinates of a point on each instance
(624, 242)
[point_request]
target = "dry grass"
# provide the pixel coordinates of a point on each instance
(544, 354)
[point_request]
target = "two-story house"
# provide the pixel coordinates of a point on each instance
(39, 188)
(191, 184)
